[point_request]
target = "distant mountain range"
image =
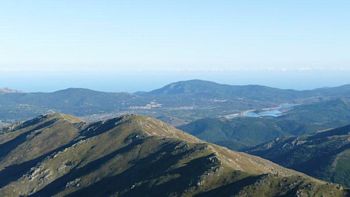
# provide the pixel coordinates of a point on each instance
(60, 155)
(186, 100)
(241, 132)
(325, 155)
(258, 92)
(220, 91)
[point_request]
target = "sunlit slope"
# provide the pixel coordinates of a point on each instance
(59, 155)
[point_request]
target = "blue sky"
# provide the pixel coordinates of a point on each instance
(140, 45)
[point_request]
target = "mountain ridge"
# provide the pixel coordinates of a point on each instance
(131, 155)
(184, 101)
(193, 82)
(325, 155)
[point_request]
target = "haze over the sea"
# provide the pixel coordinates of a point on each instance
(142, 45)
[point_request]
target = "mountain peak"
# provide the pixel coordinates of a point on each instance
(130, 155)
(211, 90)
(48, 118)
(76, 90)
(148, 126)
(189, 86)
(62, 116)
(59, 116)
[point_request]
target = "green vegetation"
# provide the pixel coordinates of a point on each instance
(59, 155)
(236, 133)
(184, 101)
(240, 133)
(325, 155)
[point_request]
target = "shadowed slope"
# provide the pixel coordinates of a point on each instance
(139, 156)
(325, 155)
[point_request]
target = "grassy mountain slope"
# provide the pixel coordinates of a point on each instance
(325, 155)
(58, 155)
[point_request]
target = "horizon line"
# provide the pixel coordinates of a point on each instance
(16, 91)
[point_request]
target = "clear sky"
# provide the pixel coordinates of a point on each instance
(121, 45)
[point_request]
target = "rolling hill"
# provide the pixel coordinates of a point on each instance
(236, 134)
(130, 155)
(185, 101)
(325, 155)
(242, 132)
(215, 90)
